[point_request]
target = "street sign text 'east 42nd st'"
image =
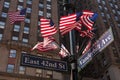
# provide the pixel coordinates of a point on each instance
(29, 60)
(97, 47)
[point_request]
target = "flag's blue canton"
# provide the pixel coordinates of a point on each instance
(51, 22)
(78, 15)
(94, 17)
(23, 12)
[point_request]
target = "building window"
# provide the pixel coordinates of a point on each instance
(49, 0)
(15, 38)
(41, 5)
(21, 70)
(26, 30)
(108, 15)
(27, 20)
(20, 0)
(103, 2)
(6, 4)
(113, 11)
(48, 15)
(2, 24)
(105, 8)
(10, 68)
(116, 18)
(38, 23)
(111, 4)
(24, 40)
(28, 10)
(104, 20)
(1, 35)
(40, 13)
(49, 74)
(116, 6)
(4, 14)
(118, 12)
(48, 6)
(100, 7)
(102, 14)
(119, 25)
(29, 1)
(23, 52)
(12, 53)
(39, 72)
(114, 0)
(17, 28)
(98, 1)
(19, 7)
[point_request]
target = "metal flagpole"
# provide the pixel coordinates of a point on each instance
(72, 59)
(72, 45)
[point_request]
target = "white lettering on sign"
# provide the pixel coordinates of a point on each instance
(61, 66)
(49, 64)
(97, 47)
(86, 58)
(107, 39)
(30, 61)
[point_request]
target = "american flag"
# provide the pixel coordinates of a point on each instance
(63, 51)
(47, 27)
(87, 47)
(87, 33)
(48, 40)
(39, 46)
(16, 16)
(86, 20)
(78, 26)
(67, 23)
(88, 12)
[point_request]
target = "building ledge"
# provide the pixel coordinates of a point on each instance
(23, 76)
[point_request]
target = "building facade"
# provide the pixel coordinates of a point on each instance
(106, 65)
(20, 37)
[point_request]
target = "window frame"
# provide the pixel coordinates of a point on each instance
(1, 36)
(10, 68)
(21, 70)
(15, 38)
(16, 28)
(12, 53)
(6, 4)
(25, 40)
(4, 15)
(2, 24)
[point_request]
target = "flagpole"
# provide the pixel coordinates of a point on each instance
(71, 42)
(73, 58)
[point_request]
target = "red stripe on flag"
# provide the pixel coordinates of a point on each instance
(46, 28)
(86, 21)
(66, 23)
(87, 47)
(39, 46)
(15, 16)
(63, 51)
